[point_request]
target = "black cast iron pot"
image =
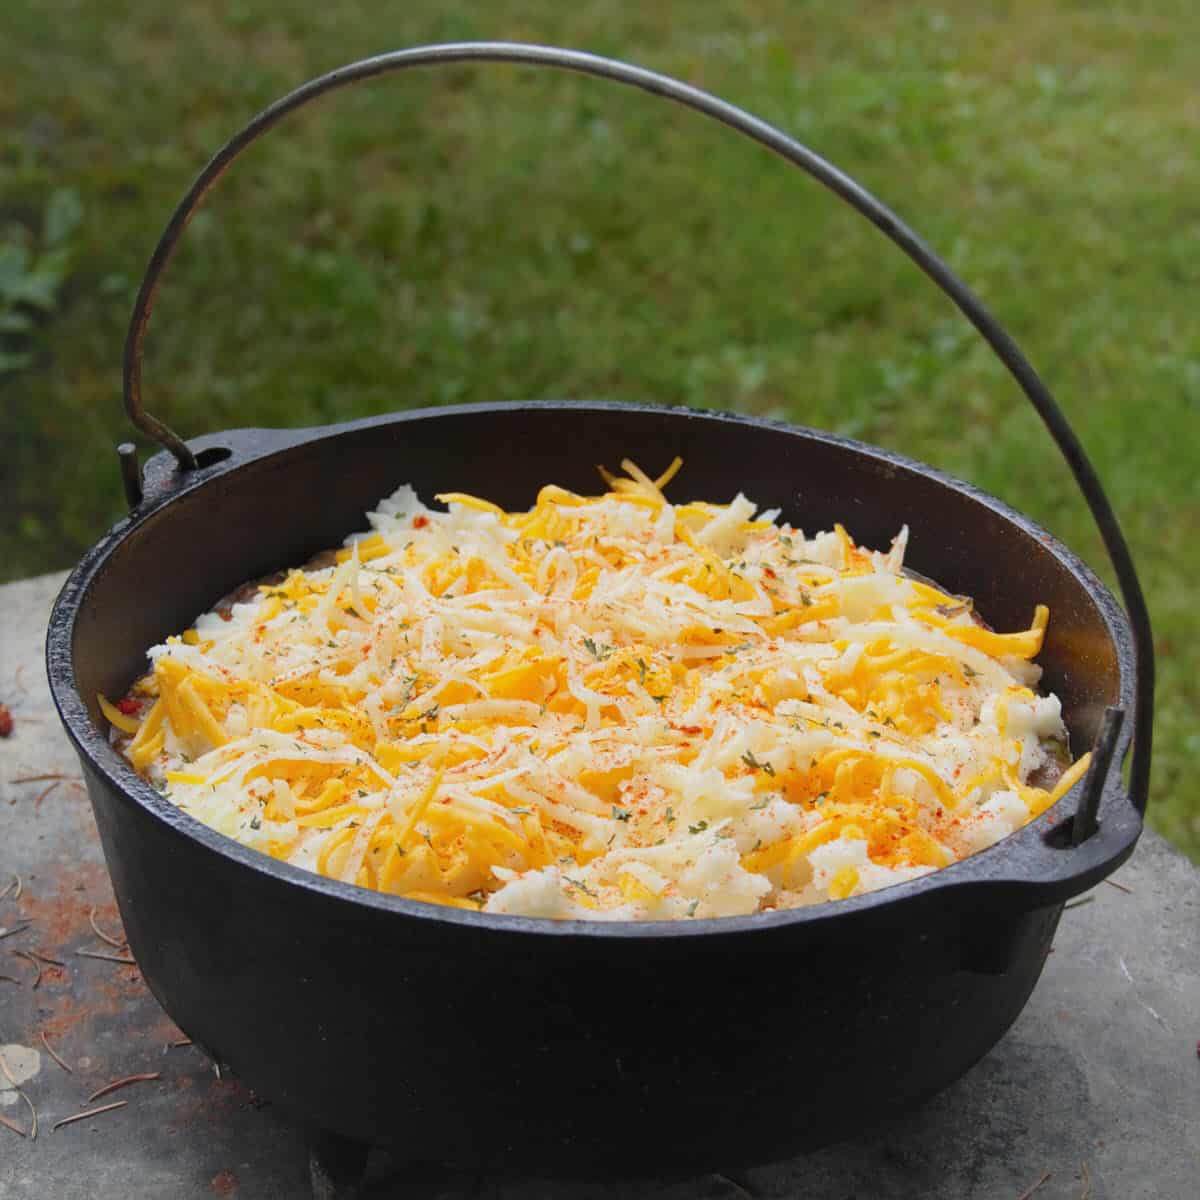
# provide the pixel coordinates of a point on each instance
(565, 1046)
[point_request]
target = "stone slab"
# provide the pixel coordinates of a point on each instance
(1095, 1091)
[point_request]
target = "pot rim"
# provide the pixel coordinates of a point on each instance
(1000, 864)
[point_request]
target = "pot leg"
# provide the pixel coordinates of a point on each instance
(336, 1165)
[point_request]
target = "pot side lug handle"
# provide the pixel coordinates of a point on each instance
(162, 477)
(1037, 872)
(1056, 857)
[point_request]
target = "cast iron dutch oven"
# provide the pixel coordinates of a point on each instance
(565, 1046)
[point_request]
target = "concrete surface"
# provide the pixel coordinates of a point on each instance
(1095, 1091)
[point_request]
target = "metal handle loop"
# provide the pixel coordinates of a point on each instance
(824, 172)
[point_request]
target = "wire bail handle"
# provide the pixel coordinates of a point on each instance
(794, 152)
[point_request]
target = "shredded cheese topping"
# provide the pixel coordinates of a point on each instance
(607, 707)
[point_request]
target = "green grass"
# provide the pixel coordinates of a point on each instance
(492, 233)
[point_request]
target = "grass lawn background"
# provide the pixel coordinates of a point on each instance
(494, 233)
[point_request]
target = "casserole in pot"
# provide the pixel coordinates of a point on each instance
(571, 1046)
